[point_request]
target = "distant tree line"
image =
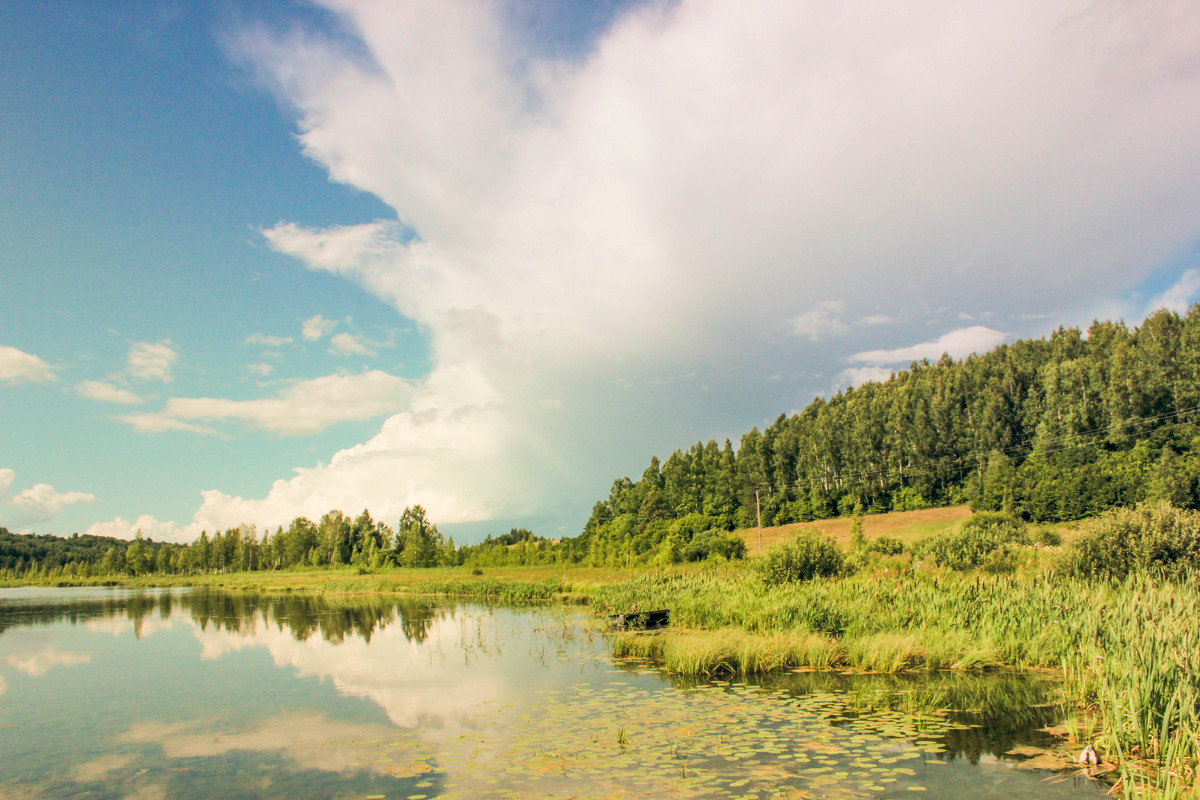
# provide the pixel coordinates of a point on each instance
(336, 540)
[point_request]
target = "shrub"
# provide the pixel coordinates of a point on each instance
(1154, 537)
(985, 537)
(806, 557)
(908, 499)
(1047, 535)
(886, 546)
(718, 543)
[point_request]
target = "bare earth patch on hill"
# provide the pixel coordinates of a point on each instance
(908, 526)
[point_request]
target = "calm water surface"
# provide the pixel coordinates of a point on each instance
(116, 694)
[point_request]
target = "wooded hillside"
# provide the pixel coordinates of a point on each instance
(1052, 429)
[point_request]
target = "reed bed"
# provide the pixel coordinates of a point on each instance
(729, 651)
(1128, 651)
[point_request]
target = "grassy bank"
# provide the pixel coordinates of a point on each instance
(518, 582)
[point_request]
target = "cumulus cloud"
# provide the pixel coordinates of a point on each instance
(958, 344)
(259, 369)
(107, 393)
(821, 321)
(267, 341)
(151, 361)
(316, 327)
(17, 366)
(665, 203)
(303, 408)
(38, 503)
(41, 501)
(347, 344)
(151, 528)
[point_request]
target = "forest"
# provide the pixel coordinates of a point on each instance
(1059, 428)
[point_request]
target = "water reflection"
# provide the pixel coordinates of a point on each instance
(239, 695)
(332, 618)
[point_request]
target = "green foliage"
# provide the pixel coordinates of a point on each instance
(858, 538)
(908, 499)
(805, 557)
(1154, 538)
(985, 538)
(714, 544)
(1046, 535)
(418, 542)
(19, 552)
(886, 546)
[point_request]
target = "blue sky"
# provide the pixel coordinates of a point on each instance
(263, 260)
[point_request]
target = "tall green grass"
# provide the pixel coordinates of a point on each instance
(1129, 651)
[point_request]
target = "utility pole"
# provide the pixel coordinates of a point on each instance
(758, 510)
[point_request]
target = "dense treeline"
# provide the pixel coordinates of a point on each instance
(336, 540)
(19, 552)
(1049, 429)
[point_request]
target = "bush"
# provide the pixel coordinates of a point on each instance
(886, 546)
(985, 537)
(718, 543)
(908, 499)
(1047, 535)
(806, 557)
(1154, 537)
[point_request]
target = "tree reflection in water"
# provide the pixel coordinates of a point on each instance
(303, 615)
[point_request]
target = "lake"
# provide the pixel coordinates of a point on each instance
(109, 693)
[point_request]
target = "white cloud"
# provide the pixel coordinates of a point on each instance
(17, 366)
(958, 344)
(259, 369)
(151, 361)
(107, 393)
(821, 321)
(857, 376)
(41, 501)
(267, 341)
(38, 503)
(875, 319)
(302, 408)
(158, 423)
(666, 203)
(316, 327)
(151, 528)
(346, 344)
(1180, 296)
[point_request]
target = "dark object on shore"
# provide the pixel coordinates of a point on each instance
(641, 620)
